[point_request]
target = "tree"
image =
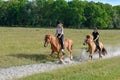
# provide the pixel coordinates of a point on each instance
(96, 16)
(116, 17)
(75, 13)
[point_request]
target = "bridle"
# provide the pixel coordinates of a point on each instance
(47, 41)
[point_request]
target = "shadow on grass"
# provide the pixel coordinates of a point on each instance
(35, 57)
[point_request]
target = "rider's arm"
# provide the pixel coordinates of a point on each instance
(97, 37)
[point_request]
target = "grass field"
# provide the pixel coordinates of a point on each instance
(21, 46)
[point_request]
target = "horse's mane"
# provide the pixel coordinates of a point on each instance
(89, 36)
(50, 35)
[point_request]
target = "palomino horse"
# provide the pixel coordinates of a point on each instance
(92, 47)
(56, 47)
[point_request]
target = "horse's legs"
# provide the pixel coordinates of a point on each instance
(71, 57)
(52, 53)
(60, 58)
(69, 49)
(91, 55)
(62, 55)
(100, 56)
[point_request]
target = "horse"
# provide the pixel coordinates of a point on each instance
(93, 48)
(56, 47)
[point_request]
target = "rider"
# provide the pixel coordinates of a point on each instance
(95, 34)
(59, 34)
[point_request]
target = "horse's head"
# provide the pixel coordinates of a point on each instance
(47, 40)
(88, 39)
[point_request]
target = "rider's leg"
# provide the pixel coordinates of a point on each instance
(97, 44)
(62, 42)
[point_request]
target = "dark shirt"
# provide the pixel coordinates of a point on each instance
(95, 34)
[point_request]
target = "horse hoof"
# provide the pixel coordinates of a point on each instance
(61, 62)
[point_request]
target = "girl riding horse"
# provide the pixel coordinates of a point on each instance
(59, 34)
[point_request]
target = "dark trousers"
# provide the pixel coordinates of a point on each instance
(61, 39)
(97, 44)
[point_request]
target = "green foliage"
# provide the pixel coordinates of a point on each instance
(116, 16)
(75, 13)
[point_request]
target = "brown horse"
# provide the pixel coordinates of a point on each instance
(92, 47)
(56, 47)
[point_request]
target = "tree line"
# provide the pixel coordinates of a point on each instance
(45, 13)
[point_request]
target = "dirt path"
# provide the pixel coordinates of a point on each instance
(20, 71)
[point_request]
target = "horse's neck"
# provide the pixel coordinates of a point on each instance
(54, 41)
(90, 43)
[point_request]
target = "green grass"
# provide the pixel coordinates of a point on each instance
(105, 69)
(22, 46)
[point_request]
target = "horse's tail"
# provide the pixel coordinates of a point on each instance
(104, 51)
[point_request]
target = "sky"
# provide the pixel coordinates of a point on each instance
(112, 2)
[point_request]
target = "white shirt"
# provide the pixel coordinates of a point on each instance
(59, 30)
